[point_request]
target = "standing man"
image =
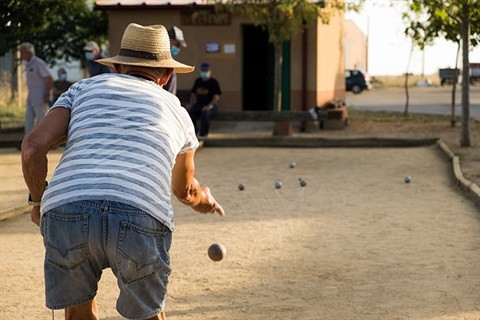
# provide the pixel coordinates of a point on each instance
(92, 53)
(176, 41)
(129, 146)
(39, 84)
(204, 99)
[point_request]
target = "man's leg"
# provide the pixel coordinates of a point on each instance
(195, 112)
(89, 311)
(86, 311)
(39, 112)
(205, 120)
(29, 119)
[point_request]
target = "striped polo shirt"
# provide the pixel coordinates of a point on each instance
(123, 137)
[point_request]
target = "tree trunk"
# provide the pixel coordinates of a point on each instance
(14, 76)
(453, 121)
(406, 82)
(280, 128)
(465, 32)
(277, 82)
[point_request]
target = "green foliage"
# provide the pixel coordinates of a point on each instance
(284, 18)
(58, 28)
(430, 19)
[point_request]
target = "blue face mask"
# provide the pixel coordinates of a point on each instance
(63, 76)
(205, 74)
(89, 56)
(174, 50)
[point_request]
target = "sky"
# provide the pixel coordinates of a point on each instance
(389, 48)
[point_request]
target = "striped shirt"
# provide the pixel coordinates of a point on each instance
(123, 137)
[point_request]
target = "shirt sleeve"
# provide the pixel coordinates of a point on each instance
(194, 88)
(217, 88)
(66, 99)
(43, 70)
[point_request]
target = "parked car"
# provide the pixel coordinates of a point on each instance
(357, 81)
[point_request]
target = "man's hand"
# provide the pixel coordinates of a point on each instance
(208, 204)
(207, 108)
(35, 215)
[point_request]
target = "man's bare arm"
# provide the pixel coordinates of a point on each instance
(188, 190)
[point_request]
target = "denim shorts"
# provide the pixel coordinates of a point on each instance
(83, 238)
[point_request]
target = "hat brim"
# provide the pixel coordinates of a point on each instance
(182, 43)
(167, 63)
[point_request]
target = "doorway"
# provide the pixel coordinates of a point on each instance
(257, 77)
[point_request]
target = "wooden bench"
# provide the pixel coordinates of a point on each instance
(330, 116)
(333, 119)
(273, 116)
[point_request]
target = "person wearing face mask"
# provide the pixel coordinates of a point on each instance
(39, 84)
(60, 85)
(204, 98)
(130, 146)
(176, 42)
(92, 53)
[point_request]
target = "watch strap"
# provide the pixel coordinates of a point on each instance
(33, 203)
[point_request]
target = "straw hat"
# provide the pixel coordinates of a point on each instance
(146, 46)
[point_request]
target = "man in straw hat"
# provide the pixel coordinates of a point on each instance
(129, 144)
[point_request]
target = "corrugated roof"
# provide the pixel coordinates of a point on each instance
(126, 3)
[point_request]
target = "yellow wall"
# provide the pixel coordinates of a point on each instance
(325, 55)
(356, 43)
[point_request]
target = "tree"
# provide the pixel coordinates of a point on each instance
(283, 19)
(457, 21)
(60, 30)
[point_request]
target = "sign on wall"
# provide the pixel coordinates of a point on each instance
(220, 50)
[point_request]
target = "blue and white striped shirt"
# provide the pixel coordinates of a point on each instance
(123, 137)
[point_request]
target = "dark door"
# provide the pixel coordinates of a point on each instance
(256, 69)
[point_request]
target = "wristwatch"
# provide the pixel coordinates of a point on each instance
(35, 203)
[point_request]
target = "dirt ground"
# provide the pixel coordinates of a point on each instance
(417, 129)
(355, 243)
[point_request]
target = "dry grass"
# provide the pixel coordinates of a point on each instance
(399, 81)
(12, 109)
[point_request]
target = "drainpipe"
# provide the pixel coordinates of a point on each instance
(304, 75)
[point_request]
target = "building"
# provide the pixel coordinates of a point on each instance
(239, 53)
(356, 47)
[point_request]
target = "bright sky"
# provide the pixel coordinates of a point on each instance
(389, 48)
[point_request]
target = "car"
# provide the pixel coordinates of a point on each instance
(357, 81)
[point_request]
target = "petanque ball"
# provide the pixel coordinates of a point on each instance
(241, 187)
(408, 179)
(303, 183)
(278, 184)
(217, 252)
(292, 165)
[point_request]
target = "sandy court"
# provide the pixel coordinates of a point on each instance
(355, 243)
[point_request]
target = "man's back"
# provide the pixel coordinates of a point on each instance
(127, 148)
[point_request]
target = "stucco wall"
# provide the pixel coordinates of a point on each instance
(355, 47)
(325, 58)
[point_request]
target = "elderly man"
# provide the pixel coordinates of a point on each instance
(129, 145)
(92, 53)
(39, 84)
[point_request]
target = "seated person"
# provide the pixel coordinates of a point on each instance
(204, 100)
(60, 85)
